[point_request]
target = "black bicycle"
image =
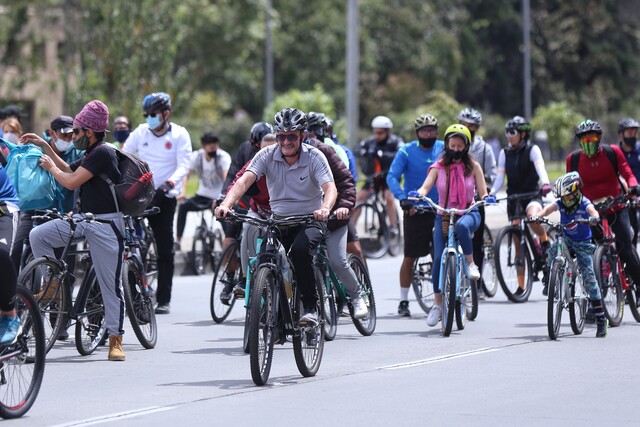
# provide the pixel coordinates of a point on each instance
(206, 248)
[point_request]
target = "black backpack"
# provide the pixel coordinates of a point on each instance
(608, 151)
(135, 189)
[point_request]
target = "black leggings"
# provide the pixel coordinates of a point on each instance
(9, 283)
(478, 241)
(194, 204)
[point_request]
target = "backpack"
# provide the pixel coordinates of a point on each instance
(608, 151)
(135, 189)
(36, 187)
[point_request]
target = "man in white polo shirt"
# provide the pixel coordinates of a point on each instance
(297, 176)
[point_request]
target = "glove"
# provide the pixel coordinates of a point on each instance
(406, 204)
(414, 194)
(490, 199)
(546, 189)
(634, 191)
(534, 218)
(593, 220)
(166, 187)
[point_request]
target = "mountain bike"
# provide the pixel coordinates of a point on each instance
(518, 259)
(207, 245)
(566, 287)
(421, 282)
(370, 218)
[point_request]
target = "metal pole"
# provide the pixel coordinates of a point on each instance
(526, 27)
(353, 64)
(268, 54)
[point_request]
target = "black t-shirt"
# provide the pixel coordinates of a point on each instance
(95, 194)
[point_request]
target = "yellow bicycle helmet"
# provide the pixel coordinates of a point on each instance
(458, 130)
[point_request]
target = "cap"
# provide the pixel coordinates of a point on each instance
(64, 124)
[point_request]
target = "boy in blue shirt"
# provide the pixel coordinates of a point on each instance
(573, 205)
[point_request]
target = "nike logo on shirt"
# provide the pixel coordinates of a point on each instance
(302, 178)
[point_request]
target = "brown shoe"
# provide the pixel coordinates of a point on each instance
(115, 348)
(45, 296)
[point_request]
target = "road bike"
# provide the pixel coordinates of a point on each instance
(206, 248)
(566, 286)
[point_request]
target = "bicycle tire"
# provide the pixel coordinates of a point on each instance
(54, 311)
(489, 281)
(610, 285)
(632, 296)
(506, 269)
(309, 357)
(330, 328)
(448, 293)
(216, 241)
(367, 325)
(422, 282)
(555, 299)
(247, 329)
(22, 374)
(579, 303)
(198, 257)
(90, 324)
(263, 306)
(372, 230)
(220, 311)
(139, 304)
(472, 297)
(396, 242)
(149, 250)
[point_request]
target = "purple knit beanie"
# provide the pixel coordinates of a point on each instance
(94, 116)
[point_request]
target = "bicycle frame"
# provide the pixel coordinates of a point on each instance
(608, 239)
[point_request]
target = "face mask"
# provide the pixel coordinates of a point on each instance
(121, 135)
(427, 142)
(81, 143)
(11, 137)
(590, 149)
(631, 141)
(154, 122)
(211, 155)
(63, 146)
(456, 155)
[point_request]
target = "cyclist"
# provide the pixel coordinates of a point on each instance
(106, 242)
(483, 154)
(10, 326)
(166, 146)
(316, 124)
(522, 163)
(121, 130)
(599, 174)
(292, 161)
(211, 164)
(413, 162)
(628, 134)
(377, 153)
(573, 205)
(458, 178)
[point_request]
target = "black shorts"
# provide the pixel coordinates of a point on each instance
(418, 234)
(379, 183)
(524, 203)
(352, 233)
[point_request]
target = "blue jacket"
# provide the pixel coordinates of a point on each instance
(413, 162)
(7, 191)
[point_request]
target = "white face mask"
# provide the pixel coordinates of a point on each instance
(11, 137)
(63, 146)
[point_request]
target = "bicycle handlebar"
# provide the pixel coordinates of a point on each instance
(260, 222)
(454, 211)
(557, 225)
(610, 202)
(519, 196)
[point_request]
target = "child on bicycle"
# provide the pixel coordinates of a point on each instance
(573, 205)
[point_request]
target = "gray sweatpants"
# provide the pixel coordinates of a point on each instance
(107, 250)
(337, 254)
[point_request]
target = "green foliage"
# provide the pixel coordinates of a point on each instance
(559, 120)
(311, 100)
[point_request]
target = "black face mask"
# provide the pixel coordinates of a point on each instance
(455, 155)
(211, 155)
(427, 142)
(631, 141)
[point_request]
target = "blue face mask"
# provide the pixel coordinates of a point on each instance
(121, 135)
(154, 122)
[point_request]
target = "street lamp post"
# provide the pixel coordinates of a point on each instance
(353, 64)
(526, 28)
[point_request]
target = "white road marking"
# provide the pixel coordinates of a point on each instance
(440, 358)
(117, 416)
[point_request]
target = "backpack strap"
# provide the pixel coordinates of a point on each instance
(112, 185)
(575, 160)
(611, 155)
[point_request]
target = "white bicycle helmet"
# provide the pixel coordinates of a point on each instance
(382, 122)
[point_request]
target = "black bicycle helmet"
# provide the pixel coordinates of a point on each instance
(471, 116)
(316, 123)
(627, 123)
(157, 101)
(425, 120)
(290, 119)
(258, 131)
(518, 123)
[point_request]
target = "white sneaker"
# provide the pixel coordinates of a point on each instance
(359, 308)
(473, 273)
(435, 314)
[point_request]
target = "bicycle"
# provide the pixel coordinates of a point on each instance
(566, 287)
(22, 363)
(514, 265)
(275, 310)
(489, 281)
(148, 245)
(206, 247)
(421, 282)
(459, 294)
(334, 289)
(51, 280)
(228, 273)
(370, 219)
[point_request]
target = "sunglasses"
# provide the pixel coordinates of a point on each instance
(589, 138)
(292, 137)
(511, 132)
(77, 130)
(152, 115)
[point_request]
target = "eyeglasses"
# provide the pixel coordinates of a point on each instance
(152, 115)
(292, 137)
(511, 132)
(77, 130)
(427, 131)
(589, 138)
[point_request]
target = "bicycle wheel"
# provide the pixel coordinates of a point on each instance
(215, 240)
(367, 324)
(263, 306)
(228, 273)
(632, 296)
(509, 265)
(90, 324)
(247, 330)
(22, 363)
(555, 300)
(422, 283)
(448, 293)
(609, 282)
(199, 257)
(372, 230)
(578, 304)
(40, 277)
(149, 250)
(308, 342)
(139, 305)
(330, 309)
(470, 298)
(396, 242)
(489, 280)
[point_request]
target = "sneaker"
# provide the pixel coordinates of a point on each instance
(359, 308)
(63, 335)
(115, 348)
(176, 247)
(46, 295)
(309, 317)
(590, 316)
(519, 291)
(238, 289)
(403, 309)
(601, 324)
(225, 295)
(473, 273)
(481, 295)
(394, 231)
(163, 309)
(435, 315)
(10, 328)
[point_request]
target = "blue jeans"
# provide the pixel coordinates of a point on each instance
(464, 229)
(584, 255)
